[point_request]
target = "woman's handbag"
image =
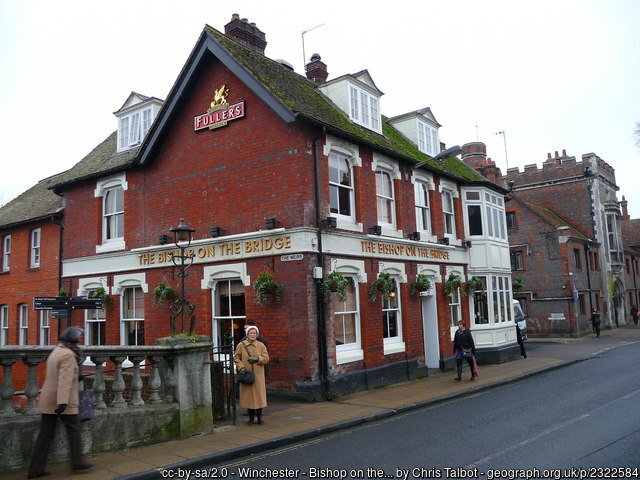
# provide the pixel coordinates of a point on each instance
(467, 352)
(85, 407)
(246, 376)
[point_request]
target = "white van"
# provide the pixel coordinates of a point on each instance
(520, 319)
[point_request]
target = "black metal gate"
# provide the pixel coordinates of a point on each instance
(223, 385)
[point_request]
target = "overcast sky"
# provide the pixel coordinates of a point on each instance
(552, 75)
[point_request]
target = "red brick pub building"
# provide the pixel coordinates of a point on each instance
(295, 177)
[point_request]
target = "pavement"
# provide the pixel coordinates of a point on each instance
(290, 422)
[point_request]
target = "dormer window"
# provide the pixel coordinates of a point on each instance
(133, 128)
(135, 118)
(428, 141)
(364, 109)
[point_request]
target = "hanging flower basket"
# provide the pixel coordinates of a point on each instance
(267, 289)
(100, 293)
(518, 283)
(422, 284)
(384, 284)
(163, 294)
(475, 284)
(335, 283)
(452, 284)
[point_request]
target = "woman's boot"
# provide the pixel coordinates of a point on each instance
(252, 413)
(259, 412)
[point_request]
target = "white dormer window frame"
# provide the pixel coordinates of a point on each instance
(364, 108)
(428, 141)
(132, 128)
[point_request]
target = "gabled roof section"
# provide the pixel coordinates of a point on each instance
(102, 160)
(365, 77)
(134, 98)
(554, 219)
(631, 233)
(291, 96)
(424, 112)
(36, 204)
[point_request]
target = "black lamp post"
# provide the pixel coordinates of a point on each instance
(182, 236)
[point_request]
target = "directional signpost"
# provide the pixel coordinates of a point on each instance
(61, 306)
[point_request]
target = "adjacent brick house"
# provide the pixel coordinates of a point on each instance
(294, 177)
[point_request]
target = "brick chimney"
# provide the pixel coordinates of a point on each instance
(474, 154)
(246, 33)
(625, 211)
(316, 69)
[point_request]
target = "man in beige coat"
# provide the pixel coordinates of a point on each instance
(60, 398)
(251, 354)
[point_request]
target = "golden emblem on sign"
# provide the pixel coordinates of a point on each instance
(220, 96)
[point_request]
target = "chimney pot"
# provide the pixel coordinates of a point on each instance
(548, 155)
(316, 70)
(564, 152)
(556, 153)
(246, 34)
(235, 16)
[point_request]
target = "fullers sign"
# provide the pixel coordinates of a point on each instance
(220, 113)
(218, 117)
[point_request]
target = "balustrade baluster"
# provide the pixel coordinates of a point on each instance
(154, 381)
(170, 382)
(136, 382)
(32, 389)
(7, 391)
(118, 383)
(99, 385)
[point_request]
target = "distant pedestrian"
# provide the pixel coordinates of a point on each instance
(595, 321)
(251, 354)
(634, 314)
(60, 397)
(464, 348)
(523, 352)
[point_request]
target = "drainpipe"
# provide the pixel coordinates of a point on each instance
(60, 251)
(323, 362)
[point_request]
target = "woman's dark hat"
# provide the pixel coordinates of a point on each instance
(71, 335)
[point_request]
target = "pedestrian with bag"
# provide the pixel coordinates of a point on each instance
(595, 321)
(60, 398)
(250, 359)
(464, 348)
(634, 314)
(249, 323)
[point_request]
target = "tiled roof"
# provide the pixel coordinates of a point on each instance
(557, 220)
(303, 98)
(35, 204)
(631, 232)
(100, 161)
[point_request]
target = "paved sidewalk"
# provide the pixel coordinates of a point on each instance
(286, 423)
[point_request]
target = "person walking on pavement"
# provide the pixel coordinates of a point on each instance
(464, 347)
(595, 321)
(251, 354)
(523, 352)
(634, 314)
(60, 398)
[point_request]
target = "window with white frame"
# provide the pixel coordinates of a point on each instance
(385, 198)
(133, 128)
(392, 318)
(6, 253)
(365, 108)
(113, 214)
(448, 212)
(480, 305)
(423, 212)
(45, 322)
(455, 312)
(229, 313)
(132, 316)
(346, 319)
(341, 191)
(95, 321)
(34, 257)
(501, 293)
(494, 207)
(23, 322)
(4, 324)
(428, 141)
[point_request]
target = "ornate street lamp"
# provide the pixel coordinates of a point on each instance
(182, 236)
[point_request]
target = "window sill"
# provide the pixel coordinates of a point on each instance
(394, 347)
(110, 247)
(349, 356)
(348, 224)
